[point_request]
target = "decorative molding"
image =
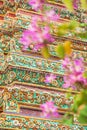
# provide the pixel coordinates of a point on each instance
(31, 96)
(25, 122)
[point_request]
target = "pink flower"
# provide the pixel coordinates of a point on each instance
(36, 35)
(49, 78)
(51, 15)
(46, 34)
(38, 46)
(74, 70)
(36, 4)
(75, 4)
(25, 40)
(65, 62)
(85, 20)
(49, 110)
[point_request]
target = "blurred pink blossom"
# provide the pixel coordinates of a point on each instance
(74, 70)
(49, 78)
(49, 110)
(51, 15)
(85, 20)
(36, 4)
(38, 46)
(36, 35)
(75, 4)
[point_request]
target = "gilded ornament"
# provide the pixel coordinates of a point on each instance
(6, 96)
(41, 78)
(16, 122)
(34, 75)
(30, 96)
(39, 100)
(12, 103)
(32, 125)
(56, 100)
(1, 120)
(43, 98)
(26, 77)
(54, 82)
(11, 75)
(39, 63)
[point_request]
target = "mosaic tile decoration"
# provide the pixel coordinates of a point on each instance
(22, 74)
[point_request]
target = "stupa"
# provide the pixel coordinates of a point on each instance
(22, 73)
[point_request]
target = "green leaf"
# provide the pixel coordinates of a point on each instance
(68, 119)
(45, 52)
(67, 47)
(77, 102)
(83, 24)
(84, 95)
(68, 95)
(64, 28)
(85, 74)
(68, 4)
(83, 35)
(60, 51)
(82, 119)
(84, 4)
(73, 24)
(84, 110)
(74, 107)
